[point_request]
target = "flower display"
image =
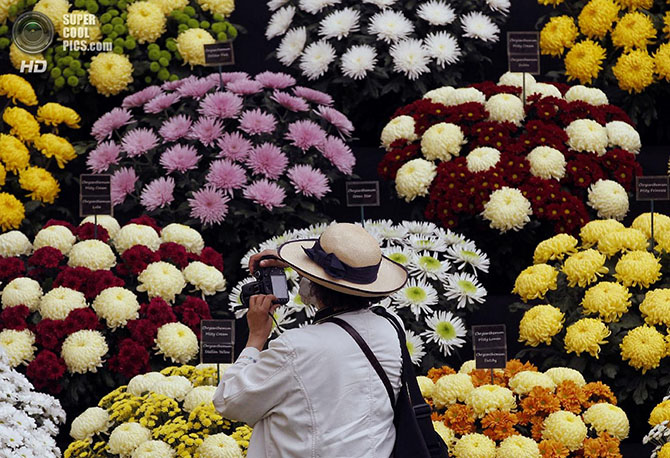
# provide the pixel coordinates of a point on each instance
(495, 419)
(144, 419)
(444, 282)
(74, 327)
(605, 310)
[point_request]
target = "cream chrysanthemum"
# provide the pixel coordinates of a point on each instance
(55, 10)
(92, 421)
(426, 386)
(168, 6)
(627, 239)
(523, 382)
(487, 398)
(593, 231)
(586, 135)
(177, 342)
(18, 345)
(623, 135)
(643, 347)
(222, 7)
(535, 281)
(586, 336)
(468, 367)
(590, 95)
(442, 141)
(563, 374)
(398, 128)
(116, 306)
(638, 268)
(136, 234)
(566, 428)
(59, 237)
(414, 178)
(451, 388)
(516, 79)
(609, 199)
(205, 278)
(439, 95)
(507, 209)
(545, 90)
(110, 73)
(463, 95)
(605, 417)
(608, 300)
(108, 222)
(547, 162)
(175, 387)
(153, 449)
(126, 437)
(540, 324)
(584, 267)
(93, 254)
(59, 302)
(199, 395)
(144, 383)
(517, 446)
(555, 248)
(482, 158)
(161, 279)
(655, 307)
(220, 446)
(446, 434)
(190, 44)
(83, 351)
(145, 21)
(643, 223)
(185, 236)
(22, 291)
(474, 445)
(505, 108)
(14, 243)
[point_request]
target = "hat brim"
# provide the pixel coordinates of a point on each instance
(391, 277)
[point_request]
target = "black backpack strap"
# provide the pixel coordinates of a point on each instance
(368, 353)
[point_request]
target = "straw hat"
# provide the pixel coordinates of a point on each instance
(346, 259)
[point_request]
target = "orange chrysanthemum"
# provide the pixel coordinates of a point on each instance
(604, 446)
(540, 401)
(460, 419)
(524, 417)
(483, 377)
(514, 366)
(553, 449)
(436, 416)
(597, 392)
(435, 373)
(571, 396)
(499, 425)
(537, 427)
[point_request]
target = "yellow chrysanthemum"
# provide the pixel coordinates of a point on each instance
(550, 2)
(556, 247)
(146, 21)
(593, 231)
(414, 178)
(636, 4)
(566, 428)
(628, 239)
(23, 124)
(518, 446)
(634, 30)
(18, 89)
(398, 128)
(524, 382)
(190, 44)
(3, 174)
(4, 9)
(487, 398)
(643, 223)
(660, 413)
(586, 336)
(446, 434)
(597, 17)
(638, 268)
(54, 114)
(110, 73)
(13, 153)
(605, 417)
(634, 70)
(474, 446)
(643, 347)
(12, 212)
(557, 34)
(655, 307)
(57, 147)
(540, 324)
(426, 386)
(584, 268)
(609, 300)
(40, 184)
(662, 61)
(222, 7)
(168, 6)
(451, 388)
(534, 281)
(442, 141)
(19, 58)
(563, 374)
(583, 61)
(80, 22)
(664, 452)
(55, 10)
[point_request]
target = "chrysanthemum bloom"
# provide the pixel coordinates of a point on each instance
(507, 209)
(290, 102)
(220, 445)
(590, 95)
(13, 153)
(605, 417)
(197, 396)
(623, 135)
(451, 388)
(106, 125)
(593, 231)
(206, 130)
(479, 26)
(316, 58)
(139, 98)
(226, 175)
(597, 17)
(57, 236)
(305, 134)
(14, 243)
(309, 181)
(446, 434)
(145, 21)
(337, 119)
(175, 128)
(92, 421)
(523, 382)
(23, 124)
(55, 10)
(244, 86)
(566, 428)
(83, 351)
(126, 437)
(280, 22)
(18, 345)
(414, 178)
(662, 61)
(205, 278)
(555, 248)
(660, 413)
(633, 30)
(110, 73)
(313, 95)
(628, 239)
(158, 193)
(179, 158)
(547, 163)
(357, 61)
(265, 193)
(583, 62)
(634, 70)
(59, 302)
(177, 342)
(161, 103)
(655, 307)
(443, 47)
(161, 279)
(275, 80)
(557, 35)
(586, 336)
(587, 135)
(209, 205)
(643, 347)
(410, 58)
(190, 44)
(540, 324)
(17, 88)
(257, 121)
(339, 154)
(517, 446)
(482, 158)
(139, 141)
(103, 156)
(17, 57)
(185, 236)
(475, 445)
(442, 141)
(400, 127)
(562, 374)
(292, 45)
(195, 87)
(116, 306)
(643, 223)
(584, 267)
(638, 268)
(136, 234)
(233, 146)
(22, 291)
(487, 398)
(93, 254)
(267, 159)
(40, 183)
(505, 108)
(122, 183)
(153, 448)
(608, 300)
(221, 105)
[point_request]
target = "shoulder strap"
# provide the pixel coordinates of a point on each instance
(368, 353)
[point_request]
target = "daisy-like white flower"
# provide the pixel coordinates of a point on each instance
(427, 265)
(291, 45)
(358, 60)
(499, 5)
(291, 275)
(381, 3)
(340, 23)
(467, 253)
(464, 287)
(282, 317)
(421, 242)
(414, 347)
(280, 22)
(390, 26)
(436, 12)
(479, 26)
(398, 254)
(276, 4)
(235, 298)
(390, 231)
(410, 58)
(316, 58)
(442, 47)
(419, 227)
(314, 6)
(446, 330)
(295, 304)
(418, 295)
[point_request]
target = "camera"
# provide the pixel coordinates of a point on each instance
(269, 280)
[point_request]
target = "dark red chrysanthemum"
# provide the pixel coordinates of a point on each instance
(137, 258)
(131, 360)
(198, 305)
(158, 311)
(174, 253)
(74, 278)
(87, 232)
(79, 319)
(47, 257)
(58, 222)
(15, 317)
(49, 333)
(147, 221)
(45, 372)
(143, 331)
(101, 280)
(211, 257)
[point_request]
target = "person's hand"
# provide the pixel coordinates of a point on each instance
(261, 307)
(254, 260)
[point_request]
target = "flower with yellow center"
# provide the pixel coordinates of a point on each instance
(555, 248)
(634, 30)
(168, 6)
(597, 17)
(177, 342)
(22, 291)
(540, 324)
(566, 428)
(634, 70)
(57, 147)
(535, 281)
(13, 153)
(398, 128)
(517, 446)
(507, 209)
(605, 417)
(563, 374)
(222, 7)
(474, 446)
(638, 268)
(23, 124)
(55, 10)
(116, 306)
(190, 44)
(643, 223)
(207, 279)
(146, 21)
(586, 336)
(18, 57)
(557, 34)
(445, 433)
(626, 239)
(655, 307)
(487, 398)
(93, 254)
(83, 351)
(584, 267)
(110, 73)
(505, 108)
(56, 236)
(136, 234)
(126, 437)
(54, 114)
(482, 158)
(593, 231)
(185, 236)
(414, 178)
(583, 61)
(660, 413)
(586, 135)
(426, 386)
(547, 162)
(609, 300)
(12, 212)
(3, 174)
(40, 183)
(524, 382)
(662, 61)
(220, 446)
(442, 141)
(451, 388)
(643, 347)
(17, 88)
(161, 279)
(636, 4)
(18, 345)
(92, 421)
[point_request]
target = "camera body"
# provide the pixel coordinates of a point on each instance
(269, 280)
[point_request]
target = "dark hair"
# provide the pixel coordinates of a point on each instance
(336, 299)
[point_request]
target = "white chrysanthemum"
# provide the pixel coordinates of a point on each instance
(207, 279)
(185, 236)
(623, 135)
(274, 5)
(442, 141)
(116, 306)
(418, 295)
(499, 5)
(482, 158)
(177, 342)
(487, 398)
(415, 347)
(358, 60)
(419, 241)
(144, 382)
(410, 58)
(91, 421)
(414, 178)
(467, 254)
(545, 90)
(516, 79)
(282, 317)
(59, 302)
(126, 437)
(93, 254)
(340, 23)
(465, 288)
(197, 396)
(427, 265)
(450, 389)
(235, 298)
(523, 382)
(22, 291)
(18, 345)
(436, 12)
(505, 107)
(161, 279)
(479, 26)
(591, 95)
(110, 223)
(14, 243)
(400, 127)
(59, 237)
(316, 58)
(609, 199)
(468, 367)
(220, 446)
(136, 234)
(315, 6)
(587, 135)
(463, 95)
(399, 254)
(280, 22)
(443, 47)
(426, 386)
(562, 374)
(445, 329)
(517, 446)
(605, 417)
(83, 351)
(547, 162)
(291, 45)
(440, 95)
(390, 26)
(566, 428)
(153, 449)
(295, 303)
(507, 209)
(176, 387)
(419, 228)
(381, 3)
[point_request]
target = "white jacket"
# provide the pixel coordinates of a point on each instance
(313, 393)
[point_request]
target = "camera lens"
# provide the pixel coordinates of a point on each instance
(33, 32)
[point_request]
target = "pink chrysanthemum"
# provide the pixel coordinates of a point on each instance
(257, 122)
(265, 193)
(305, 134)
(109, 122)
(122, 183)
(313, 95)
(161, 102)
(221, 105)
(158, 193)
(104, 155)
(226, 175)
(139, 141)
(244, 87)
(227, 77)
(275, 80)
(309, 181)
(267, 159)
(339, 154)
(171, 85)
(337, 119)
(196, 87)
(209, 205)
(234, 146)
(179, 158)
(206, 130)
(175, 128)
(141, 97)
(290, 102)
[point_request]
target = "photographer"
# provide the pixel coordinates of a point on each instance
(313, 392)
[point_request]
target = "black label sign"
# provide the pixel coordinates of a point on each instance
(362, 193)
(523, 52)
(220, 53)
(217, 341)
(490, 346)
(95, 195)
(491, 359)
(652, 188)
